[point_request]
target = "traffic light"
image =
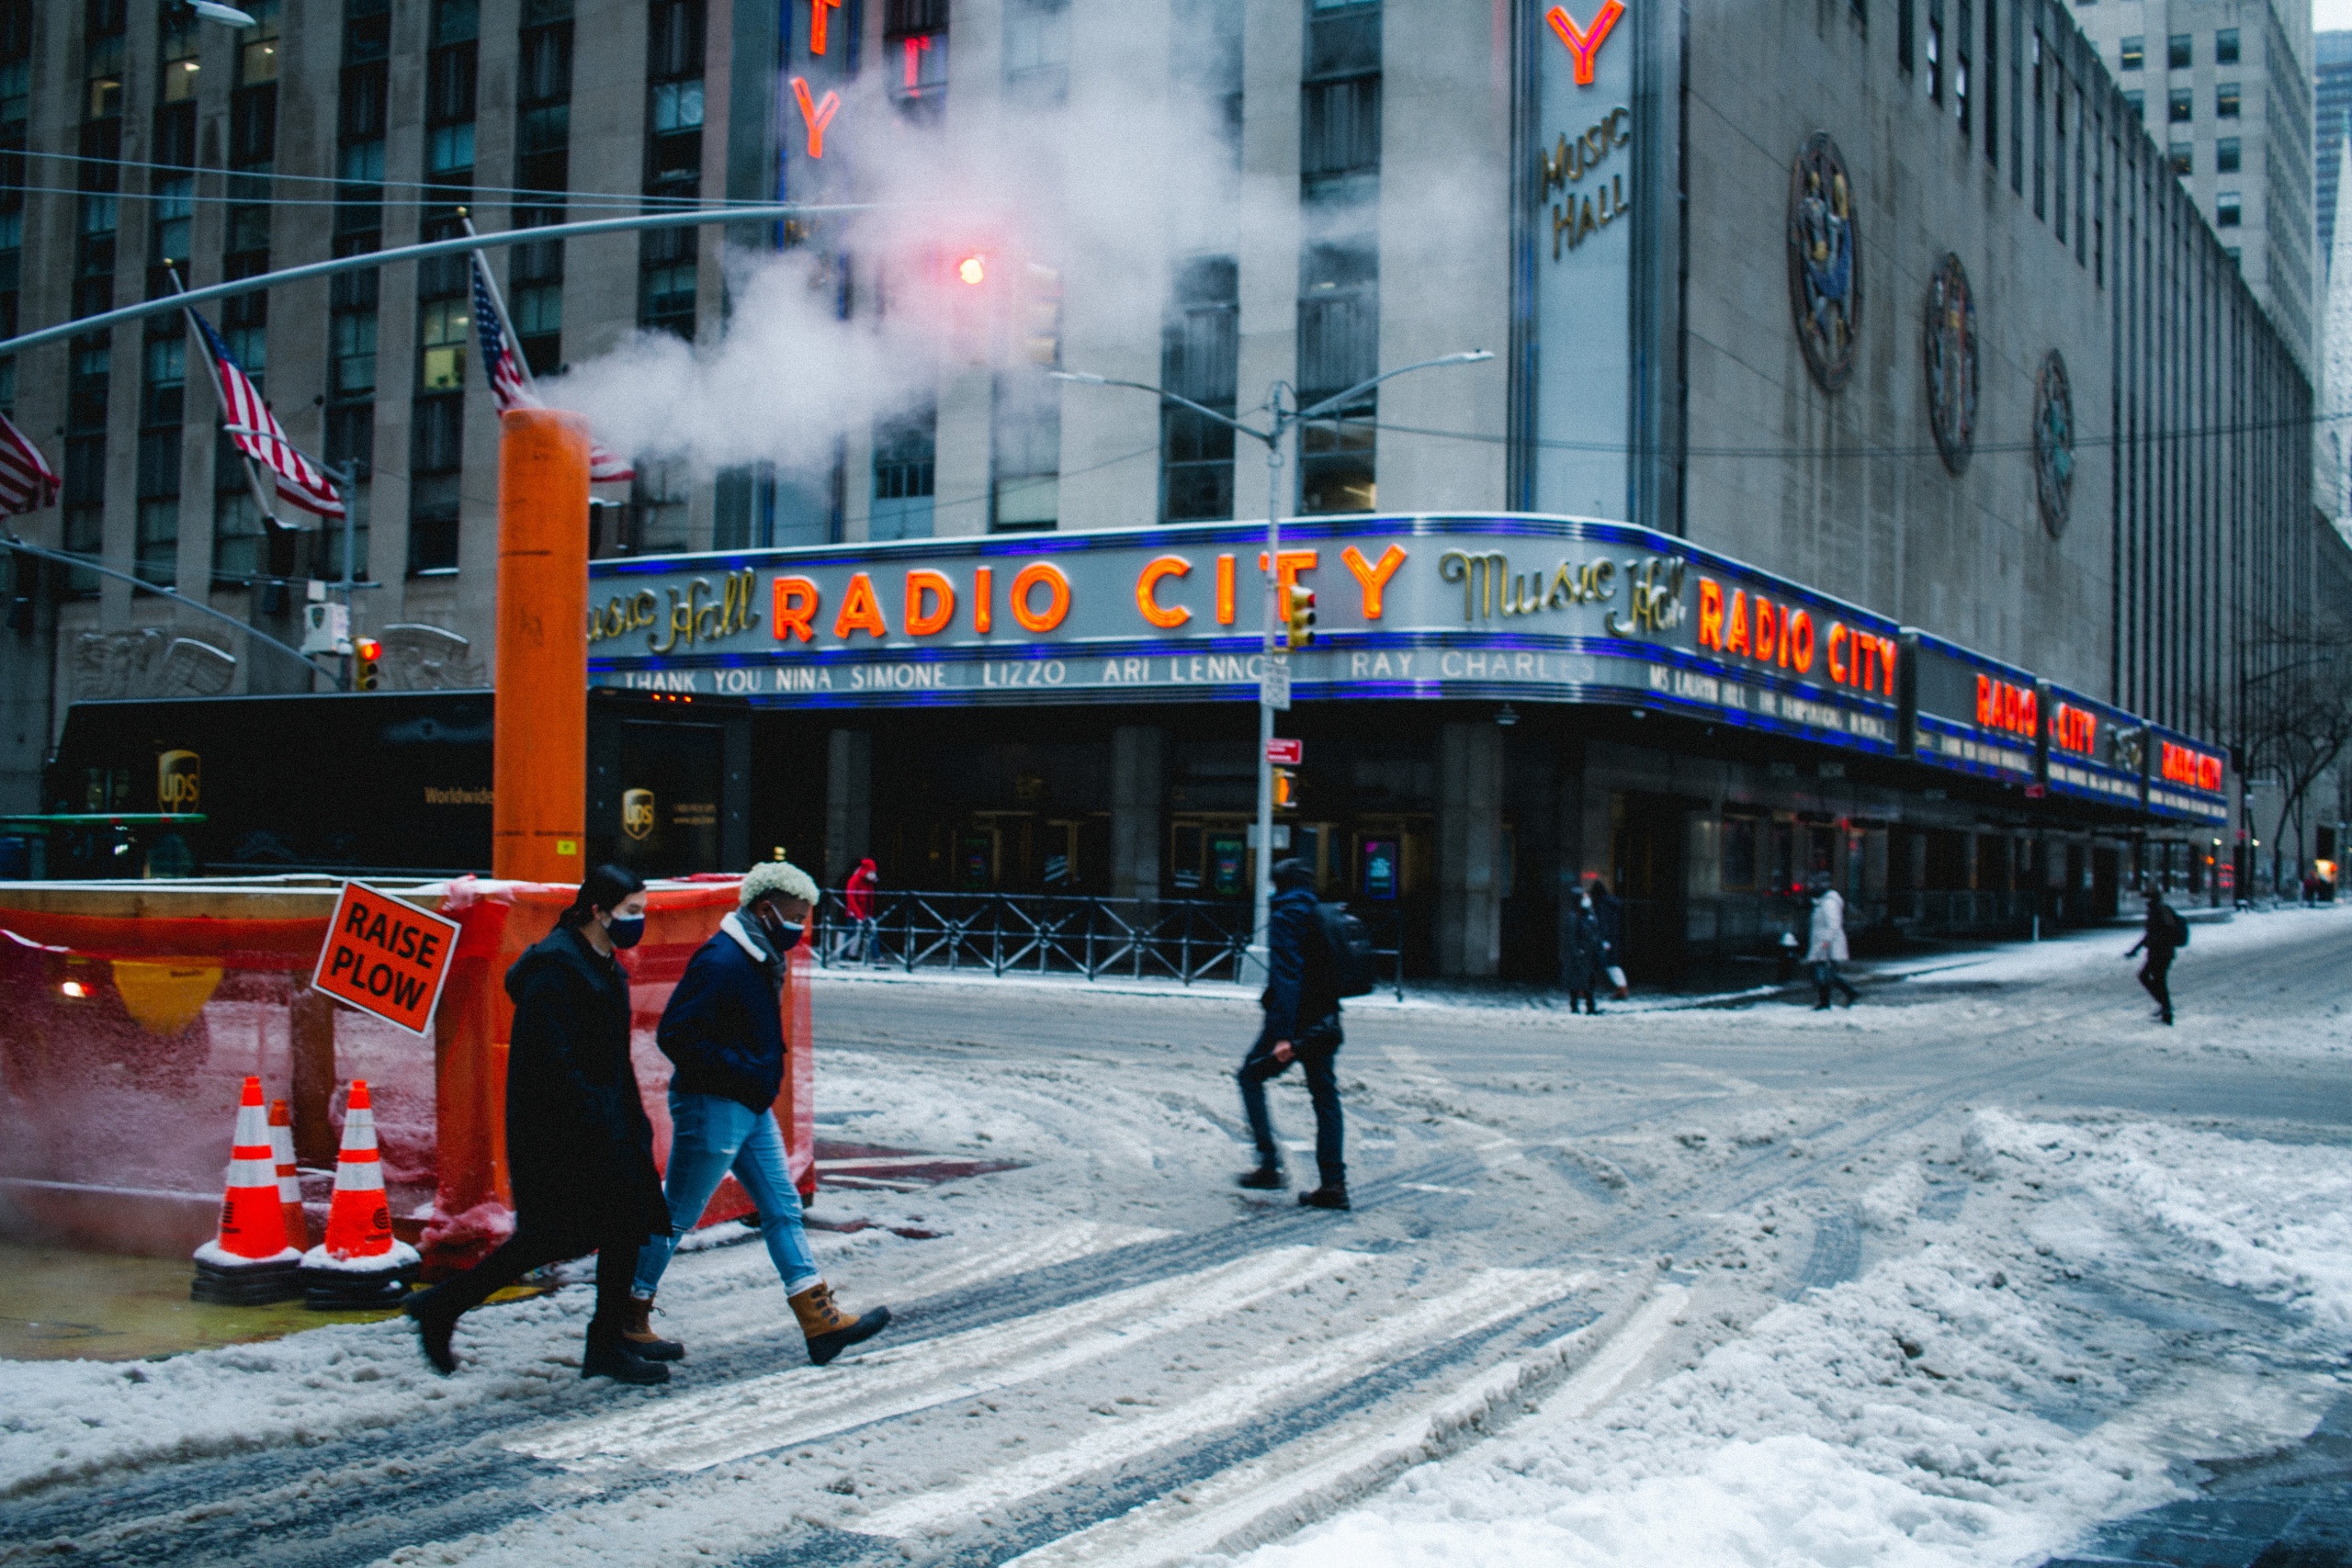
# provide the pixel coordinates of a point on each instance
(365, 652)
(972, 269)
(1285, 789)
(1298, 617)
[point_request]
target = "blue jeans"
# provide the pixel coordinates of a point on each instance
(709, 1136)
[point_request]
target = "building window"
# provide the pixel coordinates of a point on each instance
(436, 456)
(2137, 102)
(1025, 452)
(1339, 106)
(2225, 100)
(2179, 55)
(1339, 347)
(2135, 53)
(2226, 156)
(1204, 62)
(2184, 157)
(2228, 210)
(655, 517)
(351, 338)
(914, 46)
(1036, 50)
(240, 540)
(543, 169)
(1200, 359)
(667, 258)
(1935, 53)
(2225, 47)
(2182, 104)
(162, 383)
(88, 385)
(904, 451)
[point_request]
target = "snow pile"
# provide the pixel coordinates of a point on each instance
(2270, 1219)
(1908, 1418)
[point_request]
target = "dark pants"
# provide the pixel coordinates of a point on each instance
(1315, 1051)
(2155, 974)
(526, 1250)
(1824, 975)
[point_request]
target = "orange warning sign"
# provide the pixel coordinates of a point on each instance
(386, 957)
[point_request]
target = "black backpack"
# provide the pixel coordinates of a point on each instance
(1355, 966)
(2179, 927)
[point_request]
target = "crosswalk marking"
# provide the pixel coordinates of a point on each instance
(752, 1416)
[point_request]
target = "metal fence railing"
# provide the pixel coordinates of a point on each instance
(1025, 933)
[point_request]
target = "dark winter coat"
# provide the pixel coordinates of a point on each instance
(1609, 918)
(579, 1148)
(1580, 970)
(2162, 938)
(1301, 990)
(723, 1027)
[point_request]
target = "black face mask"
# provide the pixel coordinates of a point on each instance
(781, 931)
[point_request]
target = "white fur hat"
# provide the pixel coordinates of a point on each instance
(772, 878)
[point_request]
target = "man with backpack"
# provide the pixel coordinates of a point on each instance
(1315, 954)
(2166, 934)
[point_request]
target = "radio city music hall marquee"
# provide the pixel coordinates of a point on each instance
(1496, 607)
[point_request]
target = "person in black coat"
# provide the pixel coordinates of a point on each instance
(1608, 916)
(2166, 933)
(579, 1147)
(1302, 1007)
(1582, 969)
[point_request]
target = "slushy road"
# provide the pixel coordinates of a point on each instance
(1110, 1354)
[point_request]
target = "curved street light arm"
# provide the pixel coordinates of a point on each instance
(1088, 378)
(1341, 400)
(174, 594)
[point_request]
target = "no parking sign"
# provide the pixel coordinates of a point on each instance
(386, 957)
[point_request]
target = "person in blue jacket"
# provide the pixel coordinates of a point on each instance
(1302, 1007)
(724, 1032)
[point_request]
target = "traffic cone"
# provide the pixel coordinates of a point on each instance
(290, 1183)
(360, 1264)
(249, 1264)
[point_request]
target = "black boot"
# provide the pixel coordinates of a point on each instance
(1330, 1195)
(609, 1356)
(432, 1330)
(1267, 1177)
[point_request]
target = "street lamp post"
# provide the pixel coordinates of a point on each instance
(1273, 686)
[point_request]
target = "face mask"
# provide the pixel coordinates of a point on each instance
(783, 933)
(624, 933)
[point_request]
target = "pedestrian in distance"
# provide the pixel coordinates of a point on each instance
(724, 1032)
(579, 1147)
(1582, 966)
(1302, 1024)
(2166, 935)
(857, 902)
(1828, 944)
(1609, 915)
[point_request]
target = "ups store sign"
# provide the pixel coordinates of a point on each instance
(1501, 607)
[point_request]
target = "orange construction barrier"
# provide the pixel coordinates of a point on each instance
(538, 749)
(290, 1180)
(249, 1263)
(359, 1264)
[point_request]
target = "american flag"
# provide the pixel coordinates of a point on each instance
(510, 378)
(299, 479)
(26, 482)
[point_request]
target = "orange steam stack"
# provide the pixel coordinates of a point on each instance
(249, 1264)
(360, 1264)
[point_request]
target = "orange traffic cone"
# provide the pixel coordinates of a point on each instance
(249, 1264)
(290, 1183)
(360, 1264)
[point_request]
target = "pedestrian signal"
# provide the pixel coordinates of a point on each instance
(1285, 789)
(365, 652)
(1298, 617)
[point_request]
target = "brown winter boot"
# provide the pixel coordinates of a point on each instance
(637, 1329)
(829, 1330)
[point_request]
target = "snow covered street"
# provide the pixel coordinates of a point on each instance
(1950, 1277)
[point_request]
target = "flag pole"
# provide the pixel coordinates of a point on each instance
(497, 303)
(220, 400)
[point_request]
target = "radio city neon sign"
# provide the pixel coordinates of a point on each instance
(1584, 43)
(2187, 765)
(2074, 729)
(2001, 704)
(1784, 635)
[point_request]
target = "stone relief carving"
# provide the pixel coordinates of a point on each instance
(148, 662)
(420, 658)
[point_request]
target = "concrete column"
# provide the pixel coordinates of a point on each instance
(849, 802)
(1138, 785)
(1469, 850)
(1576, 852)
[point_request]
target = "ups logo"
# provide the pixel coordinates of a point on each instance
(179, 781)
(636, 812)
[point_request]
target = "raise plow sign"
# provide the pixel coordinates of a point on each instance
(386, 957)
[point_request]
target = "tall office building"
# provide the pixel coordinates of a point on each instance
(2332, 99)
(2225, 87)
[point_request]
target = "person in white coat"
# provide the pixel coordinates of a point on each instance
(1827, 949)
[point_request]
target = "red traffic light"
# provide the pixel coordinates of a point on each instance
(973, 269)
(368, 648)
